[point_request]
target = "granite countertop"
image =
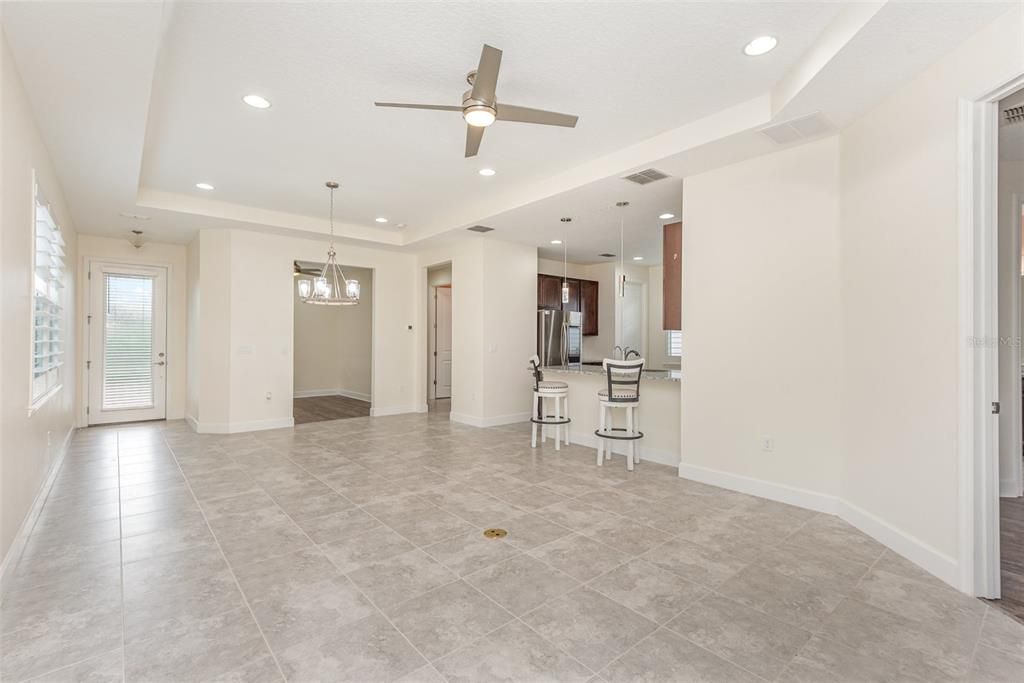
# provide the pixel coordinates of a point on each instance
(657, 375)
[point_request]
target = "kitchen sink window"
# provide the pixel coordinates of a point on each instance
(674, 343)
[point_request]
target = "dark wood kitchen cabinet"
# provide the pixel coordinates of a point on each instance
(672, 256)
(588, 306)
(549, 292)
(583, 297)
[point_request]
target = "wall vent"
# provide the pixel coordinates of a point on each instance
(648, 175)
(480, 228)
(797, 129)
(1013, 115)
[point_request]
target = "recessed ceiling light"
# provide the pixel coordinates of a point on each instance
(666, 216)
(760, 46)
(257, 101)
(556, 241)
(638, 258)
(381, 219)
(486, 172)
(400, 225)
(204, 186)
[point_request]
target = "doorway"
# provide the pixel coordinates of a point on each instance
(127, 341)
(439, 338)
(333, 357)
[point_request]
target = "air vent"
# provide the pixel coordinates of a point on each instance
(648, 175)
(607, 255)
(797, 129)
(480, 228)
(1013, 115)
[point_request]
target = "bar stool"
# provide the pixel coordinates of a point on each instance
(545, 390)
(623, 391)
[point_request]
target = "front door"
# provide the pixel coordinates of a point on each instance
(443, 343)
(127, 364)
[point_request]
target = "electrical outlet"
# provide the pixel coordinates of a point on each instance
(768, 444)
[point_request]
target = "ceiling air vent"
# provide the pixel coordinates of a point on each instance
(480, 228)
(797, 129)
(1013, 115)
(648, 175)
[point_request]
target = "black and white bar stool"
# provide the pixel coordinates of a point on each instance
(623, 391)
(544, 391)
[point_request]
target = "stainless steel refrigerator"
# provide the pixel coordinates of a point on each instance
(559, 337)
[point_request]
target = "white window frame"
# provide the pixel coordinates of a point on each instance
(47, 288)
(668, 343)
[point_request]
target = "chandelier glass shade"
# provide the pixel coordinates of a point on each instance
(330, 287)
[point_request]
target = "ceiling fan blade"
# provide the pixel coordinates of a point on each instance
(402, 105)
(486, 79)
(510, 112)
(474, 134)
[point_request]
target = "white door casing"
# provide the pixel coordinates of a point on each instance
(443, 342)
(127, 343)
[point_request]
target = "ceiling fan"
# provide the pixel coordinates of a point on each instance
(480, 108)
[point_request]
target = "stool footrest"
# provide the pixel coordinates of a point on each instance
(562, 421)
(619, 434)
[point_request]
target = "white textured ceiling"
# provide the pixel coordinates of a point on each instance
(139, 101)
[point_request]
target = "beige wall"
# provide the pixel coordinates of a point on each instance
(171, 256)
(763, 347)
(192, 302)
(333, 343)
(899, 292)
(29, 445)
(1011, 192)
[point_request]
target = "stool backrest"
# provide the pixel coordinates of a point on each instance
(623, 376)
(538, 376)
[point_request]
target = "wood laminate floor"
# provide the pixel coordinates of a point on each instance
(1011, 548)
(322, 408)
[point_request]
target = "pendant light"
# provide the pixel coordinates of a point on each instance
(565, 266)
(620, 281)
(330, 287)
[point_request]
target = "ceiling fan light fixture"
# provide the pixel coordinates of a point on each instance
(479, 115)
(761, 45)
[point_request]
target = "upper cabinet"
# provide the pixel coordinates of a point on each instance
(583, 295)
(672, 256)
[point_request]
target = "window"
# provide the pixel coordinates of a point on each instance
(674, 343)
(47, 312)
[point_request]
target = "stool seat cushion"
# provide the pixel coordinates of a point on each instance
(617, 393)
(552, 385)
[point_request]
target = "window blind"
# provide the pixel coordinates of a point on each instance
(47, 311)
(674, 343)
(127, 342)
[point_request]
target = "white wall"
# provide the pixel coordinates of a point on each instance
(333, 343)
(246, 319)
(763, 347)
(171, 256)
(29, 445)
(192, 303)
(899, 294)
(1011, 192)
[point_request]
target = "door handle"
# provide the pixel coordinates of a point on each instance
(160, 362)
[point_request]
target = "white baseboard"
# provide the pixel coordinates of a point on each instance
(192, 422)
(239, 427)
(21, 537)
(312, 393)
(1009, 488)
(920, 553)
(781, 493)
(496, 421)
(923, 555)
(384, 411)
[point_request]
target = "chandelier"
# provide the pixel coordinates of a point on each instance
(330, 287)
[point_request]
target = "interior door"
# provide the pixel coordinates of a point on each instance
(443, 343)
(127, 364)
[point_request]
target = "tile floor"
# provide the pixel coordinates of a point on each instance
(352, 551)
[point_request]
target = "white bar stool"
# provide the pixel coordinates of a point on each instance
(623, 391)
(543, 391)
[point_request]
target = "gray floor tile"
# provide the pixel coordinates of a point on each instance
(580, 557)
(527, 530)
(447, 618)
(367, 547)
(402, 577)
(590, 627)
(63, 640)
(665, 657)
(470, 552)
(104, 668)
(694, 562)
(1003, 632)
(522, 583)
(512, 653)
(790, 600)
(652, 591)
(995, 666)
